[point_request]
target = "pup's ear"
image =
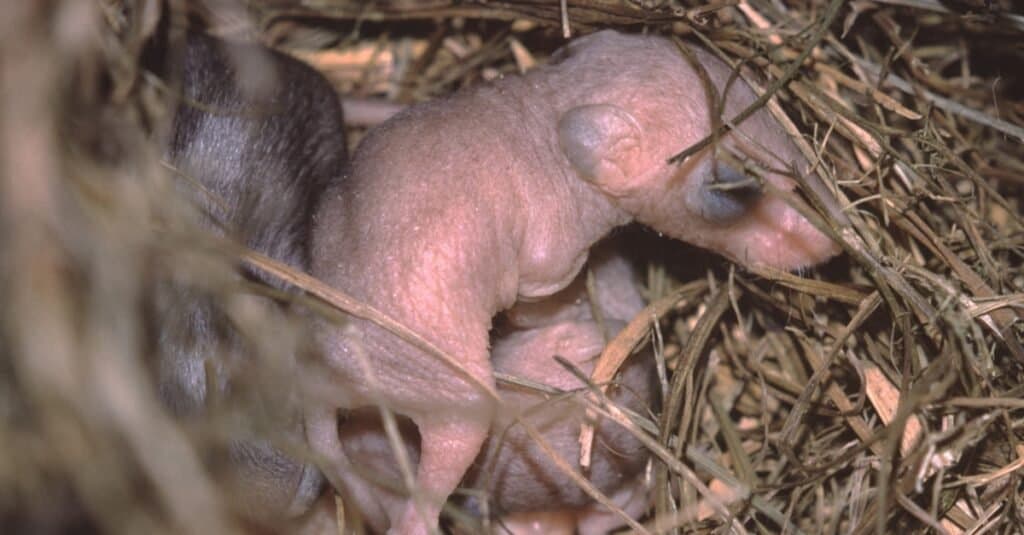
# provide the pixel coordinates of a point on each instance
(604, 144)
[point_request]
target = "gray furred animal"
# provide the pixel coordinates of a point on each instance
(261, 134)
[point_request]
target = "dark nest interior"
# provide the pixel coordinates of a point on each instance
(879, 393)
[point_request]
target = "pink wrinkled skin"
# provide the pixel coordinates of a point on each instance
(523, 486)
(456, 209)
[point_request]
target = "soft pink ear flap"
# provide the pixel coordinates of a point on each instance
(604, 144)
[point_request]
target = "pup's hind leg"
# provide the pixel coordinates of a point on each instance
(448, 446)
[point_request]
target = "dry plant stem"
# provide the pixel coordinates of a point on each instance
(564, 8)
(792, 375)
(985, 403)
(619, 349)
(878, 146)
(741, 491)
(339, 515)
(413, 78)
(821, 368)
(494, 47)
(962, 219)
(878, 511)
(673, 405)
(1001, 473)
(977, 285)
(673, 463)
(866, 90)
(912, 223)
(933, 5)
(1004, 317)
(813, 287)
(940, 102)
(584, 14)
(920, 514)
(734, 445)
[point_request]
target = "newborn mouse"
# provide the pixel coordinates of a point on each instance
(455, 209)
(261, 134)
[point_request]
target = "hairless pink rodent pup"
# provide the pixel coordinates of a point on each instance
(455, 209)
(514, 478)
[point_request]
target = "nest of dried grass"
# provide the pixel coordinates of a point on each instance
(881, 392)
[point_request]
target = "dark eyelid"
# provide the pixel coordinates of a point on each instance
(727, 193)
(726, 178)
